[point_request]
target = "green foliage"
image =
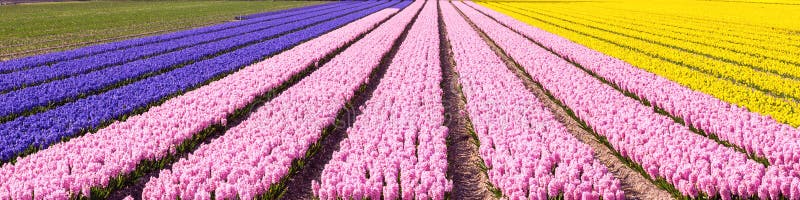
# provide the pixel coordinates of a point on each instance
(27, 29)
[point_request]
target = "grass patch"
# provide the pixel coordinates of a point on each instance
(216, 130)
(28, 29)
(32, 149)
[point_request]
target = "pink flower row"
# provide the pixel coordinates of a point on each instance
(258, 152)
(529, 153)
(81, 163)
(663, 148)
(400, 135)
(756, 134)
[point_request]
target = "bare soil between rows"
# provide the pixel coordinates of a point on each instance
(469, 181)
(633, 183)
(299, 184)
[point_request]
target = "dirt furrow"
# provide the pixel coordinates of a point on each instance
(299, 185)
(633, 183)
(469, 182)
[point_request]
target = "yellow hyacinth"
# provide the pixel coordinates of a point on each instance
(745, 53)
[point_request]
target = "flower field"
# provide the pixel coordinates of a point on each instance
(751, 64)
(419, 100)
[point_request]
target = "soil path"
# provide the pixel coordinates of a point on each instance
(634, 184)
(469, 182)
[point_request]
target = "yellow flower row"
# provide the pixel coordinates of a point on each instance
(765, 77)
(694, 15)
(759, 91)
(724, 26)
(752, 58)
(768, 46)
(762, 17)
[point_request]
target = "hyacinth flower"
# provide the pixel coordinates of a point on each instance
(66, 167)
(666, 149)
(280, 131)
(529, 153)
(399, 135)
(757, 134)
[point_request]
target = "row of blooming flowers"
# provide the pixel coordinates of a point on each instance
(767, 89)
(198, 48)
(693, 164)
(399, 139)
(256, 154)
(528, 152)
(757, 134)
(56, 57)
(43, 129)
(75, 166)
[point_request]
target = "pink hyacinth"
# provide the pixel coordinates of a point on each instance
(281, 130)
(755, 133)
(518, 134)
(661, 143)
(155, 133)
(406, 105)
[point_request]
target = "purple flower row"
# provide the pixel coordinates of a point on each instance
(81, 163)
(207, 44)
(50, 58)
(400, 134)
(529, 153)
(42, 129)
(28, 98)
(257, 153)
(665, 149)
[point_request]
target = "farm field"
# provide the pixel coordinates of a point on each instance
(29, 29)
(411, 100)
(742, 53)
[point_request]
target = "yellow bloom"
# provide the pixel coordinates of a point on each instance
(747, 54)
